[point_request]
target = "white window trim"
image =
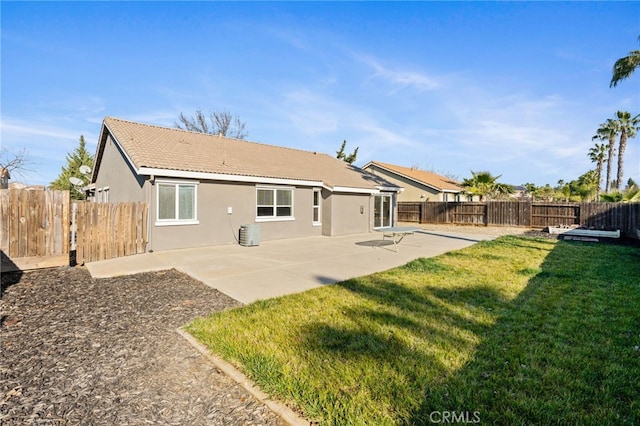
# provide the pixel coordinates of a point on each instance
(175, 222)
(276, 218)
(390, 196)
(319, 207)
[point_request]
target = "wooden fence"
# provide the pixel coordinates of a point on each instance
(34, 229)
(109, 230)
(623, 216)
(40, 229)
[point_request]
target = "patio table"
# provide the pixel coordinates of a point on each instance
(397, 233)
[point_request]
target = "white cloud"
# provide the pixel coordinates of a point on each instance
(399, 78)
(20, 131)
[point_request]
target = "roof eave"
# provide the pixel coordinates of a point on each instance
(152, 171)
(101, 147)
(411, 178)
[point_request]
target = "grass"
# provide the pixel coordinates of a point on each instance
(510, 331)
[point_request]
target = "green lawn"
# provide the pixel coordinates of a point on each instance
(511, 331)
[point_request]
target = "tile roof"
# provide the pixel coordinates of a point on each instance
(156, 147)
(434, 180)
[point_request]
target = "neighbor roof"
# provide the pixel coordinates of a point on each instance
(174, 152)
(434, 180)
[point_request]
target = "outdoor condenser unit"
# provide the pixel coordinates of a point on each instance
(250, 235)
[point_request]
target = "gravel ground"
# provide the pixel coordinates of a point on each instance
(83, 351)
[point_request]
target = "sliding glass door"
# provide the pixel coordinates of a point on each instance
(382, 211)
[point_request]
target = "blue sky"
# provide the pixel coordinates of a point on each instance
(516, 88)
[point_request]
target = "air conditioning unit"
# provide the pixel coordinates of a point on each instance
(250, 235)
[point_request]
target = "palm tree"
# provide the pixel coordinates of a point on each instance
(624, 67)
(564, 189)
(597, 154)
(484, 184)
(628, 127)
(608, 131)
(630, 195)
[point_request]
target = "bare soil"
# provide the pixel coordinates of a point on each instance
(84, 351)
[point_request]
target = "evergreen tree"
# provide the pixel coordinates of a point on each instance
(75, 159)
(351, 158)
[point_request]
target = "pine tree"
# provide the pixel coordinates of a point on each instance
(75, 159)
(350, 158)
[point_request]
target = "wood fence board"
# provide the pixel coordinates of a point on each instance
(14, 228)
(109, 230)
(48, 222)
(34, 262)
(29, 226)
(66, 219)
(605, 216)
(5, 220)
(23, 224)
(94, 233)
(58, 224)
(41, 226)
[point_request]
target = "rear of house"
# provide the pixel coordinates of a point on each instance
(202, 188)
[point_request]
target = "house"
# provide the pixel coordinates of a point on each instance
(201, 189)
(520, 192)
(419, 185)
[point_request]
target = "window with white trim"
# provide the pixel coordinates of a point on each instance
(177, 203)
(317, 197)
(274, 203)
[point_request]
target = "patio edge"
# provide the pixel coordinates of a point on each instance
(285, 413)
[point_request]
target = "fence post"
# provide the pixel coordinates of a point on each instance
(73, 229)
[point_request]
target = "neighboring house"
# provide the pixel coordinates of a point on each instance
(519, 192)
(419, 185)
(202, 188)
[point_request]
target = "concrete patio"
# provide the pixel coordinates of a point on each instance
(278, 268)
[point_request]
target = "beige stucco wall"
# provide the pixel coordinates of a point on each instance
(217, 227)
(341, 213)
(348, 214)
(124, 185)
(413, 191)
